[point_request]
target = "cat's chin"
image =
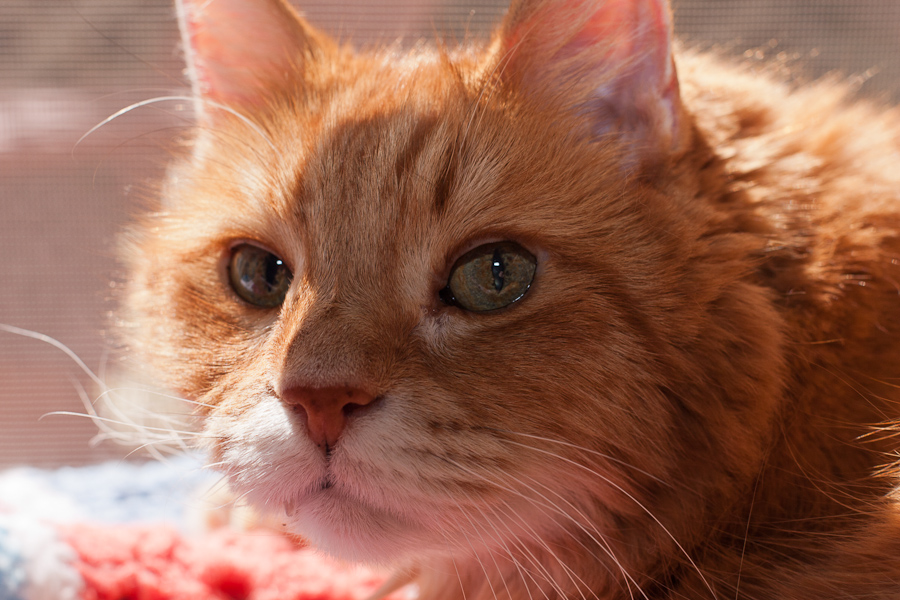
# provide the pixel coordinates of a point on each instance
(349, 529)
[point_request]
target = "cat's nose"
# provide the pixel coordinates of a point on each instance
(326, 410)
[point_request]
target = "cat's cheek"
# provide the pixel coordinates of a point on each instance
(261, 451)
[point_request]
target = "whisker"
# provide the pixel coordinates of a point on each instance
(588, 450)
(151, 448)
(637, 502)
(487, 577)
(116, 435)
(600, 540)
(601, 543)
(246, 121)
(221, 463)
(165, 437)
(146, 437)
(220, 486)
(113, 151)
(110, 391)
(528, 554)
(462, 586)
(536, 562)
(518, 566)
(56, 344)
(95, 417)
(541, 570)
(127, 110)
(122, 48)
(114, 408)
(548, 577)
(737, 586)
(485, 545)
(494, 483)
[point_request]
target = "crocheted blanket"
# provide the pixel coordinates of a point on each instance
(123, 531)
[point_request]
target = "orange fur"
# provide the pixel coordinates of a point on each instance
(681, 406)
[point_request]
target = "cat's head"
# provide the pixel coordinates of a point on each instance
(443, 301)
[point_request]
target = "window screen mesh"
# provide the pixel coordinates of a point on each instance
(65, 65)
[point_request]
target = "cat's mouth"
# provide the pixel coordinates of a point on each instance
(338, 522)
(324, 489)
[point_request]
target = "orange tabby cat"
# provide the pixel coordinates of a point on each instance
(540, 319)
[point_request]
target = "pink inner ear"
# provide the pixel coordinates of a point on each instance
(639, 32)
(236, 49)
(616, 53)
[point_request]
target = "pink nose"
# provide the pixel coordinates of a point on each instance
(326, 410)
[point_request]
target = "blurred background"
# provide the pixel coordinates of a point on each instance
(66, 65)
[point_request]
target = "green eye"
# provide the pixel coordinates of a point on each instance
(258, 276)
(490, 277)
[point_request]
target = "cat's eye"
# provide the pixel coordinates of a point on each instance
(490, 277)
(258, 276)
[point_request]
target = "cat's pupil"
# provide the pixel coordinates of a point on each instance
(497, 269)
(273, 266)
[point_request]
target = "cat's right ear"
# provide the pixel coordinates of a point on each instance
(607, 62)
(239, 51)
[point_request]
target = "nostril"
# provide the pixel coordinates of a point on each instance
(326, 410)
(350, 408)
(297, 408)
(357, 409)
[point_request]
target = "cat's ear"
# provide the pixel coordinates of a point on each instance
(608, 61)
(239, 51)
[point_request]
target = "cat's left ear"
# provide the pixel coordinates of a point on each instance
(609, 62)
(238, 52)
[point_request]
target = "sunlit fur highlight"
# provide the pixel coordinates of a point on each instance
(677, 408)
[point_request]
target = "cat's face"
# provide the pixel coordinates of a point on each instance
(429, 308)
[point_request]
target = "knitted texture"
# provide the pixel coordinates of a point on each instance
(158, 563)
(118, 532)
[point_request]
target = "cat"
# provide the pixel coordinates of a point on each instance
(568, 314)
